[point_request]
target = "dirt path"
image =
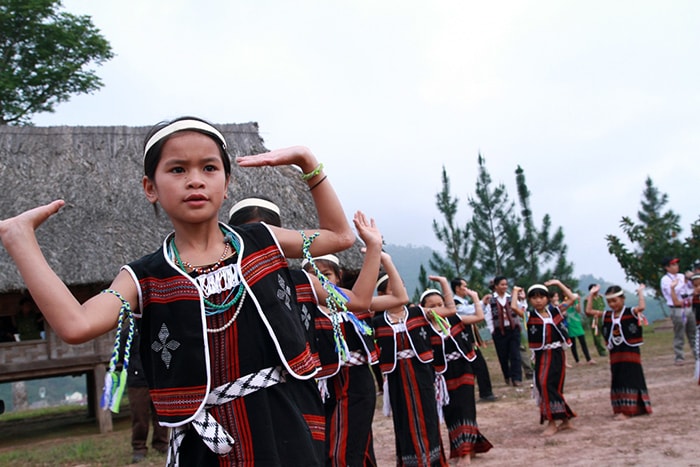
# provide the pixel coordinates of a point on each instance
(668, 437)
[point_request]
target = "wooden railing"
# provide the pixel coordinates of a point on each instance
(50, 357)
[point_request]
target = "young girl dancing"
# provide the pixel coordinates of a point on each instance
(219, 330)
(349, 393)
(460, 413)
(547, 337)
(622, 330)
(404, 338)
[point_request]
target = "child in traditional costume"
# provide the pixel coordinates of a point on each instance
(460, 409)
(406, 355)
(347, 436)
(219, 330)
(547, 337)
(622, 330)
(346, 349)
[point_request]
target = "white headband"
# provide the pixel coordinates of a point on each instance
(254, 202)
(696, 276)
(615, 294)
(538, 287)
(332, 258)
(381, 280)
(182, 125)
(429, 292)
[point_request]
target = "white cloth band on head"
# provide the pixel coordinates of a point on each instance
(429, 292)
(538, 287)
(381, 280)
(254, 202)
(615, 294)
(332, 258)
(182, 125)
(696, 276)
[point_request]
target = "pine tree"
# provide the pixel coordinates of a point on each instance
(459, 256)
(494, 226)
(423, 284)
(652, 238)
(542, 255)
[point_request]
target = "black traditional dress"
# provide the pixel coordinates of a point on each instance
(460, 413)
(628, 388)
(230, 381)
(405, 358)
(547, 337)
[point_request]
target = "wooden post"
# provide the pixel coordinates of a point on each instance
(104, 417)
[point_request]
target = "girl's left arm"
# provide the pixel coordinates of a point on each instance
(570, 296)
(334, 230)
(450, 307)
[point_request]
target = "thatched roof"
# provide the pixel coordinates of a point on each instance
(107, 220)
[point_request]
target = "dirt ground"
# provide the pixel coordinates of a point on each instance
(668, 437)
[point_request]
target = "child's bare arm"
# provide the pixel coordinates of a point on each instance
(514, 301)
(398, 295)
(73, 322)
(450, 307)
(335, 232)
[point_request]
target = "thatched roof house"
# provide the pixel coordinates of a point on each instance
(107, 220)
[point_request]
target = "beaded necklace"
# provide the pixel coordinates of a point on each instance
(210, 308)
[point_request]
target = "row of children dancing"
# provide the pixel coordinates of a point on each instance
(548, 338)
(349, 328)
(253, 363)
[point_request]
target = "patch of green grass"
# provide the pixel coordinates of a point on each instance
(43, 412)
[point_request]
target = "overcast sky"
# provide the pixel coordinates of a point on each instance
(589, 98)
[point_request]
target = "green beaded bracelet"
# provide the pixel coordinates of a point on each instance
(313, 173)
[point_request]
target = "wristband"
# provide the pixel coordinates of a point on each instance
(313, 173)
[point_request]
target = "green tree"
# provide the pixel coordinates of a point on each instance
(460, 257)
(46, 56)
(691, 245)
(541, 253)
(494, 226)
(649, 240)
(423, 283)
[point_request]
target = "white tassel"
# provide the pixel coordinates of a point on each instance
(442, 395)
(386, 399)
(323, 388)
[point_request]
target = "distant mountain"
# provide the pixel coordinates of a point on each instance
(408, 260)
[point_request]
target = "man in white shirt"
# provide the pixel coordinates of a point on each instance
(504, 325)
(679, 305)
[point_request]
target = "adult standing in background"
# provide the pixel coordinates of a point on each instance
(479, 365)
(504, 325)
(680, 308)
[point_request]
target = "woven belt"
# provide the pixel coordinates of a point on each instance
(213, 434)
(356, 358)
(405, 354)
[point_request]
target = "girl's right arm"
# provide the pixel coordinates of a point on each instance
(398, 296)
(514, 305)
(589, 303)
(73, 322)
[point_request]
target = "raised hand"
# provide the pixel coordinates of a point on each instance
(367, 229)
(23, 225)
(300, 156)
